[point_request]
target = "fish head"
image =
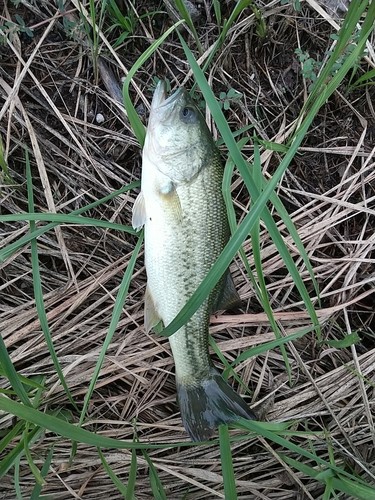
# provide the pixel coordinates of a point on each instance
(178, 141)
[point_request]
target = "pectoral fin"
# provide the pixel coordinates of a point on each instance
(151, 316)
(169, 195)
(228, 297)
(139, 212)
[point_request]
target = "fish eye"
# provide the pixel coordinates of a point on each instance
(188, 114)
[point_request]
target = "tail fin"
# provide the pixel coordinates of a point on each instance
(209, 403)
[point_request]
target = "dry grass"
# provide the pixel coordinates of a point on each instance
(50, 96)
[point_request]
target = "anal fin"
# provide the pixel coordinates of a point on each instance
(151, 316)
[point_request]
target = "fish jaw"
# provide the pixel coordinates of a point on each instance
(160, 96)
(162, 107)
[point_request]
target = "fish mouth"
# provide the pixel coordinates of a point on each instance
(160, 98)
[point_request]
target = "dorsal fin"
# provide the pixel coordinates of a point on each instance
(228, 297)
(151, 316)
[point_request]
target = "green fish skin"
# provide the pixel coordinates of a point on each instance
(183, 213)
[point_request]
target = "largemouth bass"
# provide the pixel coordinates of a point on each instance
(183, 213)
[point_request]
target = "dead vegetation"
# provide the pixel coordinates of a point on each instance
(51, 93)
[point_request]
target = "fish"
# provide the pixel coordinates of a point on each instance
(182, 210)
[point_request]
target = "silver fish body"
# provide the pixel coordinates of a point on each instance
(183, 213)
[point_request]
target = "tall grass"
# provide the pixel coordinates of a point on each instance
(24, 400)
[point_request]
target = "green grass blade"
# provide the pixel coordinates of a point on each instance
(227, 463)
(17, 486)
(38, 394)
(283, 250)
(34, 469)
(37, 284)
(9, 250)
(12, 375)
(25, 381)
(226, 191)
(114, 478)
(10, 459)
(74, 432)
(260, 429)
(132, 475)
(231, 214)
(117, 311)
(345, 485)
(156, 484)
(135, 122)
(353, 488)
(35, 494)
(268, 346)
(184, 13)
(306, 469)
(94, 34)
(228, 173)
(257, 256)
(217, 10)
(322, 90)
(328, 491)
(11, 434)
(280, 244)
(66, 219)
(367, 79)
(352, 18)
(4, 169)
(238, 8)
(228, 368)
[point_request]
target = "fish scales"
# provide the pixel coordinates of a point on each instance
(183, 213)
(178, 255)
